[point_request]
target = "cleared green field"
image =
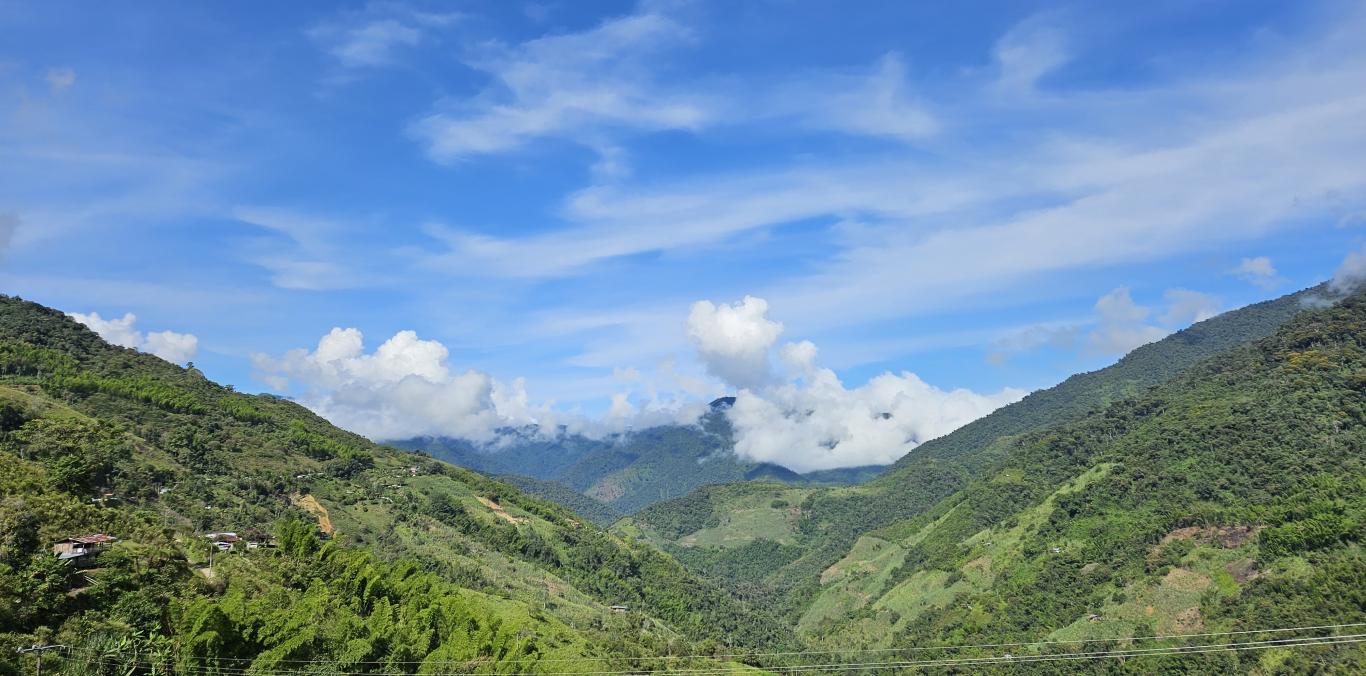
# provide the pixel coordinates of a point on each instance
(751, 517)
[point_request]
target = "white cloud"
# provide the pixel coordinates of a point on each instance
(1029, 51)
(176, 348)
(375, 37)
(1118, 326)
(1257, 270)
(799, 357)
(820, 424)
(809, 420)
(590, 87)
(1020, 340)
(1111, 177)
(1350, 274)
(1120, 339)
(1121, 324)
(877, 104)
(120, 332)
(308, 259)
(1186, 307)
(1118, 307)
(733, 341)
(60, 79)
(374, 43)
(574, 83)
(406, 387)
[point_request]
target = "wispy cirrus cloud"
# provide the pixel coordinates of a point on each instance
(575, 84)
(305, 254)
(376, 35)
(595, 86)
(1114, 184)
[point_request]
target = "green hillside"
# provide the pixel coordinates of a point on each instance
(832, 520)
(384, 560)
(560, 494)
(1231, 498)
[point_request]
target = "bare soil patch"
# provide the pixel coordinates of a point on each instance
(311, 504)
(500, 512)
(1243, 570)
(1228, 537)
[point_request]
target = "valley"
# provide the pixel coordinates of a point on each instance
(1208, 484)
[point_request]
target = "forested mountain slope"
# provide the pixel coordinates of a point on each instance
(630, 471)
(827, 522)
(386, 560)
(1231, 498)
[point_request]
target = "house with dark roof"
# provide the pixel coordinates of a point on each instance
(224, 541)
(80, 549)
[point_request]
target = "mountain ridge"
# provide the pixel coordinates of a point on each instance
(372, 545)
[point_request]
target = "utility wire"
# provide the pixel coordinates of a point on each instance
(863, 666)
(736, 656)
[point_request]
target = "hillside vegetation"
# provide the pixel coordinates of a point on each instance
(383, 560)
(1231, 498)
(1151, 513)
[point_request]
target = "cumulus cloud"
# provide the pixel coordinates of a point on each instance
(733, 341)
(1350, 275)
(1189, 307)
(1118, 307)
(1119, 325)
(1257, 270)
(403, 388)
(176, 348)
(406, 387)
(805, 418)
(820, 424)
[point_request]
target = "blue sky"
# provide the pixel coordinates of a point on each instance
(989, 196)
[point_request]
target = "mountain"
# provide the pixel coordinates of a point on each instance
(630, 471)
(1230, 498)
(560, 494)
(360, 556)
(819, 527)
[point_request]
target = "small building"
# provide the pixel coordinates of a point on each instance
(1093, 618)
(618, 609)
(80, 549)
(224, 541)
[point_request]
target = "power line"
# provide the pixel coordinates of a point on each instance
(865, 666)
(736, 656)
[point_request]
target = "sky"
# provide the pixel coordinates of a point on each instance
(873, 223)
